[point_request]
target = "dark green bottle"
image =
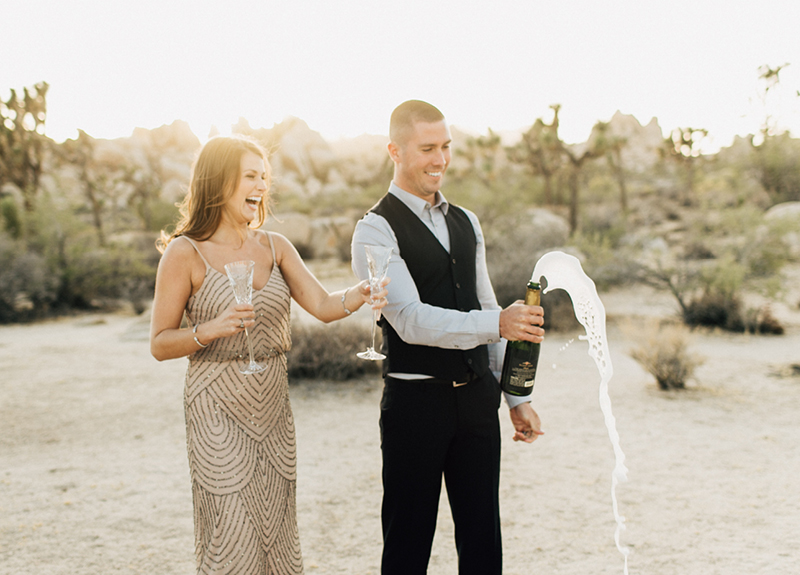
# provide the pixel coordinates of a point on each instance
(522, 357)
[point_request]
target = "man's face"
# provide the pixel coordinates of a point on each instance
(421, 158)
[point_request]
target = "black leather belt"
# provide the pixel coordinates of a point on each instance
(470, 378)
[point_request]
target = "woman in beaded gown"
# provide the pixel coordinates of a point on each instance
(239, 428)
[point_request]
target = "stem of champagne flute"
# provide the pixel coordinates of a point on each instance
(249, 345)
(374, 287)
(374, 323)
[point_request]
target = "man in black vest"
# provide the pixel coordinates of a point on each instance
(441, 397)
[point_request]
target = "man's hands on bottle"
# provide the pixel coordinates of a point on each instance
(520, 322)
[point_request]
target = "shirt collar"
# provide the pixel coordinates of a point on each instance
(417, 204)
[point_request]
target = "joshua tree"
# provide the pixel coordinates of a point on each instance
(772, 83)
(541, 151)
(684, 146)
(596, 147)
(613, 146)
(79, 153)
(22, 140)
(774, 151)
(481, 153)
(544, 153)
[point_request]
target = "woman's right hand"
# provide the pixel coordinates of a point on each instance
(233, 319)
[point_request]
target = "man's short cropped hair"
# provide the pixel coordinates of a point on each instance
(407, 114)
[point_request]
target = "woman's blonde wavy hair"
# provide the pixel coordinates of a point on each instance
(215, 175)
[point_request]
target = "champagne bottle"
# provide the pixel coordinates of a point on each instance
(522, 357)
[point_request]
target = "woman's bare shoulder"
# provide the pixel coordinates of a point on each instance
(179, 246)
(180, 251)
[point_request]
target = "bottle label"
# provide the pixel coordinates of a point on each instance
(523, 374)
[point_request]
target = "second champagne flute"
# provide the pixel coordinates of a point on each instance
(378, 261)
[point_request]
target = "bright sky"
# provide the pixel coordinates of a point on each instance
(343, 65)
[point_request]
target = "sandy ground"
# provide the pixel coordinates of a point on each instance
(94, 477)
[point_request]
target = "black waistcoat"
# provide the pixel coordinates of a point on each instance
(443, 280)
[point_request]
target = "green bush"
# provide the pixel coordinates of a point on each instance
(163, 214)
(606, 260)
(698, 250)
(741, 235)
(328, 351)
(57, 266)
(496, 201)
(757, 245)
(27, 287)
(10, 218)
(663, 352)
(91, 276)
(775, 164)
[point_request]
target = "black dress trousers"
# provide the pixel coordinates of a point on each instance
(431, 429)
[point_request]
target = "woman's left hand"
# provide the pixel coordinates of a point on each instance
(376, 300)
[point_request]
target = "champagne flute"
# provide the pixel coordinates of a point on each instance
(240, 276)
(378, 262)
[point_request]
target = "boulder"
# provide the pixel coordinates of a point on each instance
(302, 150)
(295, 226)
(331, 237)
(362, 160)
(176, 137)
(515, 244)
(548, 229)
(642, 143)
(790, 212)
(287, 183)
(315, 238)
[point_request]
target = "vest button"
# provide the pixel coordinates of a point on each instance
(458, 286)
(454, 260)
(469, 361)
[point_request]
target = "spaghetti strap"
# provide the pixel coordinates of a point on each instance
(272, 246)
(194, 245)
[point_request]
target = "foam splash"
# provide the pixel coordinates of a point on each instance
(563, 271)
(563, 348)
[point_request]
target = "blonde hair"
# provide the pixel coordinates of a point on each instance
(215, 175)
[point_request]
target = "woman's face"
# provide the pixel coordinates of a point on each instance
(243, 205)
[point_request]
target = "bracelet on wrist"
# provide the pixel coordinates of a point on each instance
(197, 341)
(344, 295)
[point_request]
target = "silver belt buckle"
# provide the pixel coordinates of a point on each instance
(456, 384)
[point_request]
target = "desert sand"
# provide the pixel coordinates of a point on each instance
(94, 477)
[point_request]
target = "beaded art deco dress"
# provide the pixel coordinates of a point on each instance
(240, 436)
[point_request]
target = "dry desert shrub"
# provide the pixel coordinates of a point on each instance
(761, 321)
(663, 351)
(715, 309)
(321, 351)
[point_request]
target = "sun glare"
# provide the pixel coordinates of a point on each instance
(343, 67)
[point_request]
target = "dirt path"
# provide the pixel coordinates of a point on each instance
(94, 477)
